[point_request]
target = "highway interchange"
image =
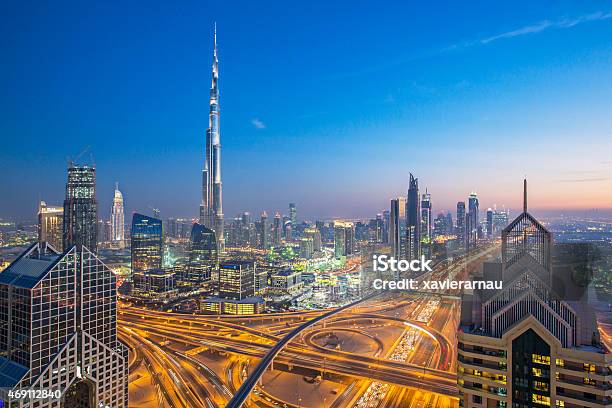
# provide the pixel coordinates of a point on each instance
(392, 350)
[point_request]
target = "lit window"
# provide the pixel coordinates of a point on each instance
(539, 359)
(540, 399)
(560, 362)
(589, 381)
(559, 403)
(537, 372)
(589, 368)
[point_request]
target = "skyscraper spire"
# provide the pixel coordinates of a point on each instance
(211, 208)
(525, 195)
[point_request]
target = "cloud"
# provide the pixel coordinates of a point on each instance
(537, 28)
(258, 124)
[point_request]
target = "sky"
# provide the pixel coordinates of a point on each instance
(330, 106)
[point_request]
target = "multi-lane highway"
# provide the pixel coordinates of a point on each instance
(196, 360)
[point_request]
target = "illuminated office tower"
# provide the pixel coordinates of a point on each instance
(147, 243)
(293, 214)
(306, 247)
(117, 220)
(377, 226)
(472, 223)
(386, 221)
(315, 235)
(413, 220)
(80, 209)
(211, 208)
(344, 239)
(278, 230)
(524, 345)
(426, 217)
(440, 225)
(237, 280)
(500, 220)
(397, 228)
(449, 223)
(203, 254)
(489, 223)
(460, 229)
(61, 336)
(50, 224)
(263, 231)
(287, 229)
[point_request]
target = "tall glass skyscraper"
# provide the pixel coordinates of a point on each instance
(59, 331)
(147, 243)
(81, 208)
(203, 254)
(426, 216)
(117, 220)
(211, 208)
(413, 220)
(397, 228)
(293, 214)
(344, 239)
(50, 224)
(460, 230)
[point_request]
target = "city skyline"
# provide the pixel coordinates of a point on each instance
(488, 114)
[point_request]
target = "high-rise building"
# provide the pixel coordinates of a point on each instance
(473, 222)
(500, 220)
(287, 229)
(203, 254)
(147, 243)
(211, 208)
(386, 221)
(293, 214)
(50, 224)
(104, 231)
(315, 234)
(80, 208)
(61, 336)
(277, 230)
(440, 227)
(489, 223)
(460, 228)
(263, 232)
(237, 279)
(449, 223)
(413, 220)
(344, 239)
(523, 345)
(306, 247)
(397, 228)
(117, 220)
(376, 229)
(426, 217)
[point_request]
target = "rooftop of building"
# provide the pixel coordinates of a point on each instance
(230, 264)
(10, 373)
(156, 273)
(248, 300)
(285, 272)
(27, 270)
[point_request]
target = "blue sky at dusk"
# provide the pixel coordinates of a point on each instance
(326, 105)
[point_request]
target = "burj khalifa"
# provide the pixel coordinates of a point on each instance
(211, 209)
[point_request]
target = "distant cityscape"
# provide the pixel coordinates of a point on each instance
(210, 311)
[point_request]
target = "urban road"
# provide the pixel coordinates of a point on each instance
(180, 379)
